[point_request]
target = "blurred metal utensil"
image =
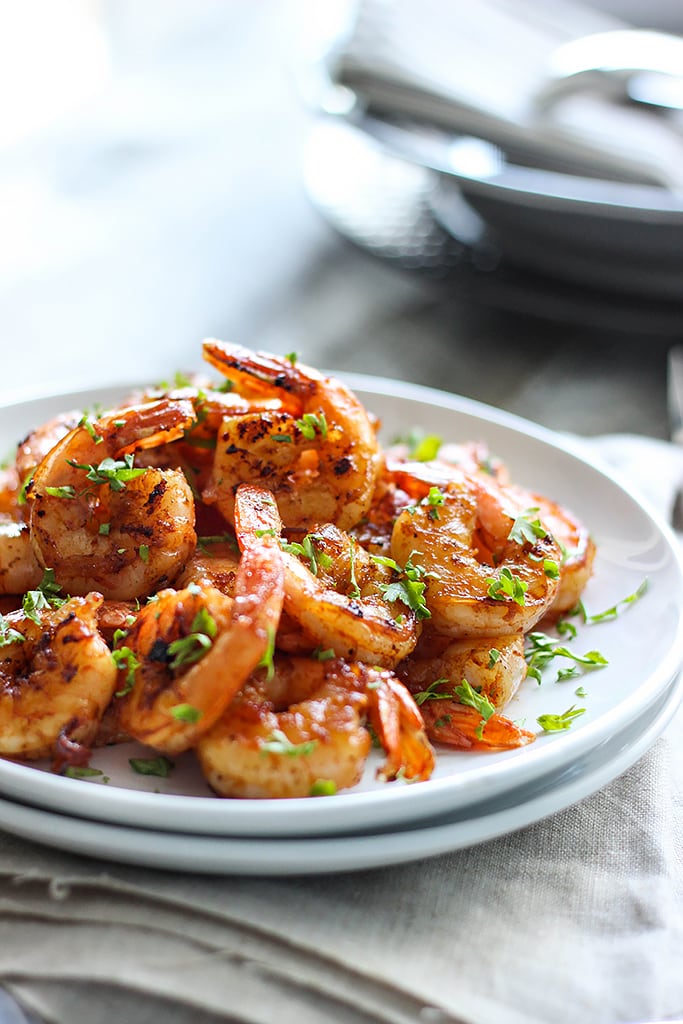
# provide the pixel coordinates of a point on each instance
(675, 412)
(635, 64)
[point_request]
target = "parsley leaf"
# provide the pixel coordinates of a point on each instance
(433, 693)
(43, 598)
(187, 650)
(312, 423)
(279, 743)
(527, 528)
(125, 659)
(159, 766)
(409, 588)
(614, 611)
(115, 472)
(542, 648)
(8, 635)
(307, 549)
(186, 713)
(507, 587)
(556, 723)
(323, 787)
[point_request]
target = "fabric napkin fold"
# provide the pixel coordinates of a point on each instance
(480, 69)
(579, 917)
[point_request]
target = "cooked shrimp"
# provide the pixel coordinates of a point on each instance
(191, 651)
(56, 679)
(358, 624)
(301, 731)
(215, 564)
(19, 568)
(193, 453)
(480, 581)
(10, 489)
(459, 725)
(495, 492)
(318, 454)
(578, 551)
(35, 446)
(334, 600)
(101, 524)
(493, 666)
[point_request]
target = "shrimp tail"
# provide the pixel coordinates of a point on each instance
(397, 722)
(458, 725)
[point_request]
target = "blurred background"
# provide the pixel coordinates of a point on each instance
(166, 174)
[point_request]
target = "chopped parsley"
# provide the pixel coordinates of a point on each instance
(466, 694)
(556, 723)
(307, 549)
(409, 588)
(267, 659)
(321, 654)
(115, 472)
(8, 635)
(433, 693)
(88, 425)
(186, 713)
(159, 766)
(494, 656)
(422, 447)
(323, 787)
(279, 743)
(527, 528)
(508, 587)
(542, 648)
(126, 661)
(45, 597)
(187, 650)
(74, 771)
(614, 611)
(218, 538)
(312, 423)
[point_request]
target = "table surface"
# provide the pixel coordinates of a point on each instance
(168, 205)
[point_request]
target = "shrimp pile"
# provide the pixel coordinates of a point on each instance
(237, 569)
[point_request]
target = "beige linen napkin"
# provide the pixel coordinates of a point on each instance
(579, 917)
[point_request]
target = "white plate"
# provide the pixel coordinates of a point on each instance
(644, 647)
(279, 857)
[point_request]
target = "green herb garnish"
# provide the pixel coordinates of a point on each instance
(159, 766)
(556, 723)
(279, 743)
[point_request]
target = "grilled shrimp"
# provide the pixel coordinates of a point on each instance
(495, 493)
(188, 652)
(19, 569)
(333, 589)
(480, 580)
(492, 667)
(318, 454)
(459, 725)
(56, 679)
(36, 445)
(301, 732)
(102, 524)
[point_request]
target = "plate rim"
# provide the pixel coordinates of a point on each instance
(117, 804)
(281, 856)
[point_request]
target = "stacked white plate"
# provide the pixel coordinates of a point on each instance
(177, 823)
